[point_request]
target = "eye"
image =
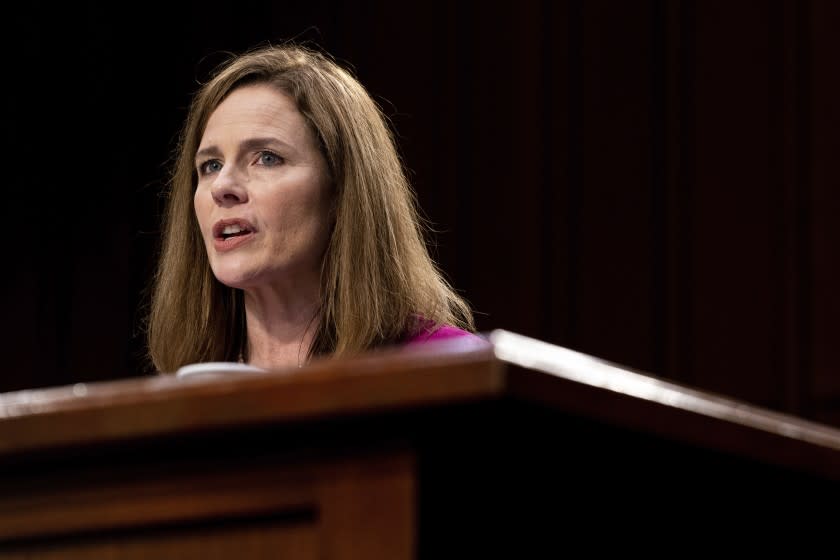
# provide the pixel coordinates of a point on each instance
(209, 166)
(269, 159)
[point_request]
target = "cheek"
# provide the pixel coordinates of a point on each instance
(322, 203)
(201, 211)
(317, 218)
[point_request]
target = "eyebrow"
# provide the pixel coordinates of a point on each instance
(245, 145)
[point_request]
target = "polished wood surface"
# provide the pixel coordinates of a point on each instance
(402, 453)
(114, 410)
(448, 372)
(596, 388)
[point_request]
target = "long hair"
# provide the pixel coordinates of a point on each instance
(378, 282)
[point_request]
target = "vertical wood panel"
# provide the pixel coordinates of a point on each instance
(789, 174)
(503, 177)
(679, 178)
(825, 205)
(731, 253)
(616, 231)
(558, 31)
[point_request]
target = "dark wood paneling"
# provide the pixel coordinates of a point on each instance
(615, 223)
(500, 177)
(824, 117)
(559, 169)
(731, 261)
(788, 131)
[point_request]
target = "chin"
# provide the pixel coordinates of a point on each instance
(236, 277)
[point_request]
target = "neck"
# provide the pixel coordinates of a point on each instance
(281, 330)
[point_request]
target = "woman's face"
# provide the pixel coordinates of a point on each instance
(263, 196)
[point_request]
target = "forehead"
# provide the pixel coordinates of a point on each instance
(255, 109)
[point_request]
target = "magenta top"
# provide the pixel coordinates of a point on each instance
(443, 332)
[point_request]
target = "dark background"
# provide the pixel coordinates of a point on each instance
(649, 181)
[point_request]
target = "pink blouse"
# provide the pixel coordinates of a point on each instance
(443, 332)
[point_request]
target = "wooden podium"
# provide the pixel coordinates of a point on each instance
(515, 449)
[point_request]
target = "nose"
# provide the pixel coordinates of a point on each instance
(228, 188)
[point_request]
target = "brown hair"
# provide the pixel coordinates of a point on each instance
(378, 282)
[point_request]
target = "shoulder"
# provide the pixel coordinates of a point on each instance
(432, 333)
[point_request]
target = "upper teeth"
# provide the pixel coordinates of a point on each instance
(232, 229)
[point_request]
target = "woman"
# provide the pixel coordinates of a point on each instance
(290, 230)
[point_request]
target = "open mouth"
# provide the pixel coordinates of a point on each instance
(227, 229)
(234, 231)
(229, 234)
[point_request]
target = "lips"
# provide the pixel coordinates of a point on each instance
(233, 233)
